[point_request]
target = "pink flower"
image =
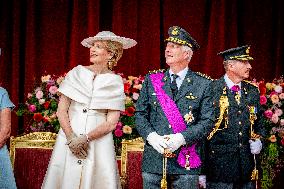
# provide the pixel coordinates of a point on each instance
(136, 81)
(135, 96)
(39, 94)
(281, 96)
(268, 114)
(275, 118)
(30, 95)
(119, 125)
(272, 93)
(263, 100)
(282, 122)
(278, 112)
(32, 108)
(118, 133)
(53, 89)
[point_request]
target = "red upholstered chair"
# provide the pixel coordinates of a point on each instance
(131, 160)
(30, 156)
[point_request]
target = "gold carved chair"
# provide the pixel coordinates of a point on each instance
(30, 156)
(131, 161)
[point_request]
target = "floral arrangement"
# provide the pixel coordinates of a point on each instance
(41, 106)
(272, 100)
(125, 128)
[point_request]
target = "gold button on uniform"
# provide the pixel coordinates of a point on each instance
(240, 144)
(240, 122)
(170, 126)
(239, 112)
(240, 133)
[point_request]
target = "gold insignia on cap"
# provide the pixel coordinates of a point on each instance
(247, 50)
(175, 31)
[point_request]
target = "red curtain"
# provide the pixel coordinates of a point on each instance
(43, 36)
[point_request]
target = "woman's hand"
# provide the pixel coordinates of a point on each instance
(79, 146)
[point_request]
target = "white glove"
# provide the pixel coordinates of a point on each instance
(202, 181)
(175, 141)
(255, 146)
(157, 142)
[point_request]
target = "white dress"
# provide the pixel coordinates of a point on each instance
(91, 98)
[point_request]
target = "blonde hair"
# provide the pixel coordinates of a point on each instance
(116, 49)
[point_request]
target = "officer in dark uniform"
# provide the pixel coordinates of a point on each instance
(236, 138)
(174, 112)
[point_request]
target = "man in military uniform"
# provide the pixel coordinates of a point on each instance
(174, 112)
(236, 137)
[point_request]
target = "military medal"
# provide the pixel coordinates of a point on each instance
(238, 98)
(189, 116)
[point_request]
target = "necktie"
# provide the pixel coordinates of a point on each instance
(236, 89)
(174, 85)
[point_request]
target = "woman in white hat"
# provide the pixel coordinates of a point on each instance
(89, 108)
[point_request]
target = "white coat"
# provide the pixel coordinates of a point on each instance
(91, 98)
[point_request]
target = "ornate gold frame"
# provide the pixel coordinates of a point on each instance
(43, 140)
(129, 145)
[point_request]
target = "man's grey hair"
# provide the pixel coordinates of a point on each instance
(189, 50)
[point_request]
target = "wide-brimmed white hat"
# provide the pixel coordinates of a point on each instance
(107, 35)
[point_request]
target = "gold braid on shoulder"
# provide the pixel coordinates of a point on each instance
(156, 71)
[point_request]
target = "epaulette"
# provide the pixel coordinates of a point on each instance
(157, 71)
(251, 83)
(204, 75)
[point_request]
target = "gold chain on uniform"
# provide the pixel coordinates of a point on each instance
(223, 104)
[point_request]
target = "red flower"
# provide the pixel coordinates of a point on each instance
(282, 141)
(134, 90)
(262, 88)
(46, 105)
(130, 111)
(127, 87)
(37, 117)
(45, 120)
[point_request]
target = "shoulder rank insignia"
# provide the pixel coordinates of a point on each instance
(251, 83)
(204, 75)
(157, 71)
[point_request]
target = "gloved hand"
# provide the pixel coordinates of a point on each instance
(79, 146)
(157, 142)
(70, 137)
(175, 141)
(202, 181)
(255, 146)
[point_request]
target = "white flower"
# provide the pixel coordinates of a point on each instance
(278, 89)
(135, 96)
(41, 101)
